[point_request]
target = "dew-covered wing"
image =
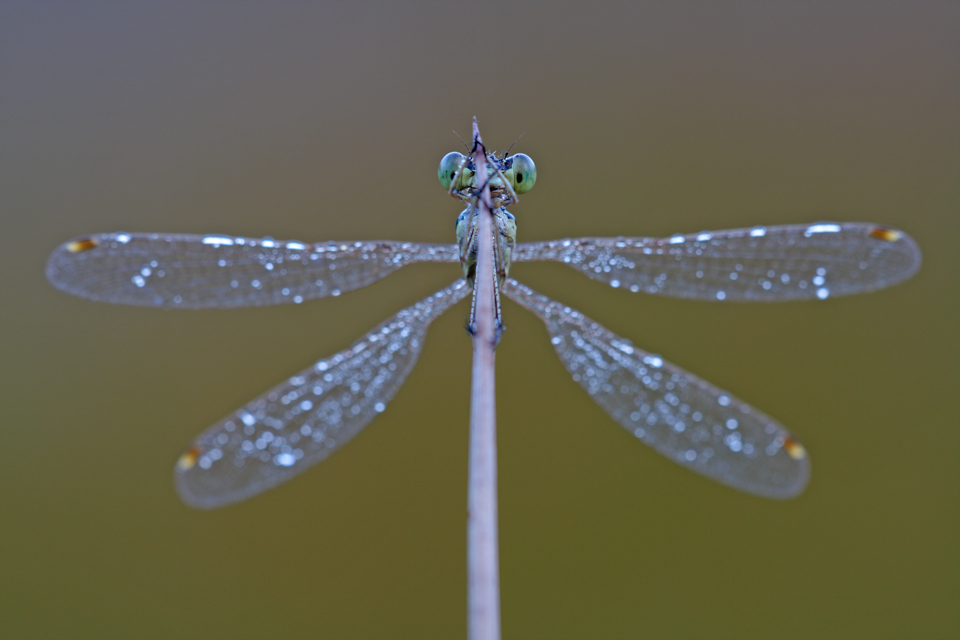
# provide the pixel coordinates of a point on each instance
(300, 422)
(790, 262)
(688, 420)
(217, 271)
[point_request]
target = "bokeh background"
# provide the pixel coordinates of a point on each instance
(316, 121)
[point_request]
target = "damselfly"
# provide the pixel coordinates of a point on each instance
(304, 419)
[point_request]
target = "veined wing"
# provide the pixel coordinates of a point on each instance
(790, 262)
(688, 420)
(195, 272)
(300, 422)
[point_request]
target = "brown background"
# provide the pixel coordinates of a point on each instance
(314, 123)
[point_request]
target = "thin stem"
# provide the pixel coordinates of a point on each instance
(483, 554)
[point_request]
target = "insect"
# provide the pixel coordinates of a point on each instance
(304, 419)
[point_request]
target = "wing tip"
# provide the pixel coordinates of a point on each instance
(796, 484)
(199, 500)
(61, 270)
(903, 244)
(195, 494)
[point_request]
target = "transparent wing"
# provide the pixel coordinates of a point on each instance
(192, 271)
(791, 262)
(688, 420)
(300, 422)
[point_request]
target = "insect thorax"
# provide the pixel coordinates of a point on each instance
(505, 238)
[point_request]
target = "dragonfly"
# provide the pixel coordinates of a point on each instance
(307, 417)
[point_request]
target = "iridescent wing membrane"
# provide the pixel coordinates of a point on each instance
(214, 271)
(301, 421)
(690, 421)
(789, 262)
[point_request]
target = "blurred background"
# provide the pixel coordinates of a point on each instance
(319, 121)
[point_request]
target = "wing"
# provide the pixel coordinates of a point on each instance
(195, 272)
(688, 420)
(791, 262)
(300, 422)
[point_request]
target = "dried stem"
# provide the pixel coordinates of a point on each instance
(483, 554)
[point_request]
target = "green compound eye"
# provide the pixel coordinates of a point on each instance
(521, 173)
(448, 168)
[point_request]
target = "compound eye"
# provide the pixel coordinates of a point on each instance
(449, 166)
(522, 172)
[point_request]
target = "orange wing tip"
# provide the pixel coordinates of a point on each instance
(188, 459)
(84, 244)
(794, 449)
(887, 234)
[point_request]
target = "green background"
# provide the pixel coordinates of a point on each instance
(321, 122)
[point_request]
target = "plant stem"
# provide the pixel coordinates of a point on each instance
(483, 554)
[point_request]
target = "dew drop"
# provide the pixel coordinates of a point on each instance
(284, 459)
